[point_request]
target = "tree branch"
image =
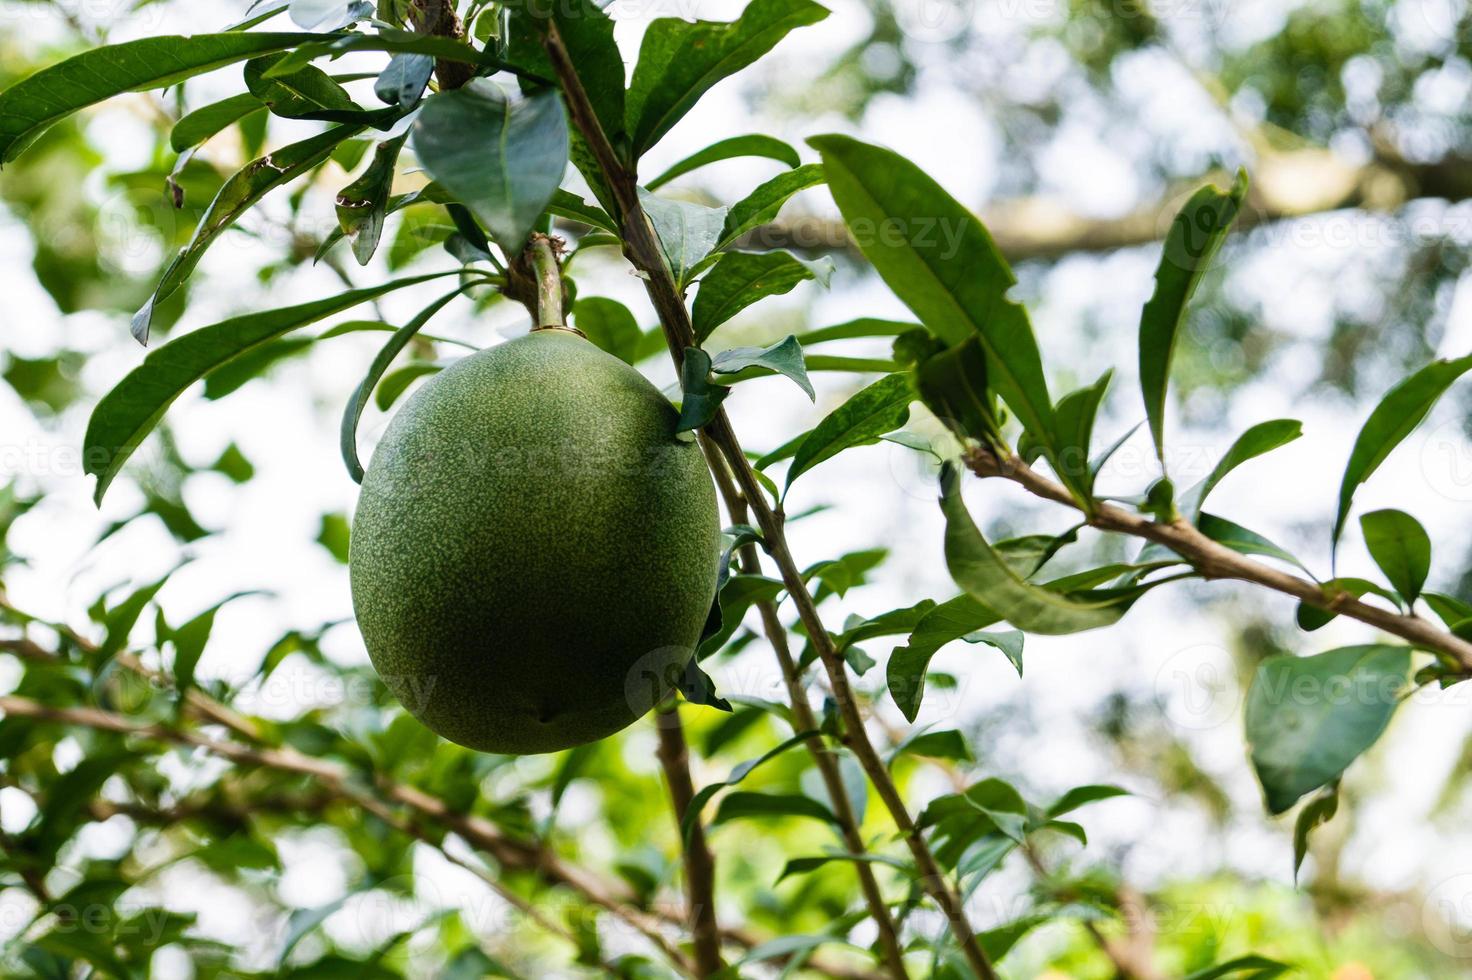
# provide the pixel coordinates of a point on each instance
(804, 720)
(1217, 561)
(642, 249)
(700, 865)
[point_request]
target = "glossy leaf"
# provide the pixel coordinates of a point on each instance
(1308, 718)
(881, 407)
(739, 279)
(1192, 242)
(127, 413)
(737, 774)
(784, 357)
(307, 93)
(1402, 549)
(199, 125)
(702, 397)
(1319, 810)
(403, 81)
(568, 205)
(240, 193)
(353, 412)
(762, 205)
(587, 33)
(687, 232)
(1238, 538)
(503, 160)
(1081, 796)
(1394, 418)
(609, 324)
(979, 569)
(745, 806)
(1260, 967)
(1074, 417)
(679, 61)
(31, 105)
(754, 145)
(1311, 617)
(951, 620)
(363, 204)
(941, 261)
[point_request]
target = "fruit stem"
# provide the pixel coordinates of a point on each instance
(541, 253)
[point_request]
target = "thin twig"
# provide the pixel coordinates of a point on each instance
(1216, 561)
(642, 249)
(804, 720)
(700, 864)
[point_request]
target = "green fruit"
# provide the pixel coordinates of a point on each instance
(534, 553)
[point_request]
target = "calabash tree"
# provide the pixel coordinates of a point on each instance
(498, 105)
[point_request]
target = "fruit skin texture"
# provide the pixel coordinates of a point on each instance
(533, 548)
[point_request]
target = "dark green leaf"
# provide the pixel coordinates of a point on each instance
(1398, 413)
(1308, 718)
(307, 93)
(568, 205)
(587, 33)
(1192, 242)
(755, 145)
(503, 160)
(1312, 617)
(807, 865)
(783, 357)
(679, 61)
(687, 232)
(125, 415)
(979, 569)
(953, 384)
(862, 327)
(29, 106)
(240, 193)
(881, 407)
(738, 773)
(702, 398)
(739, 279)
(396, 382)
(741, 805)
(763, 204)
(696, 686)
(363, 204)
(941, 261)
(1236, 537)
(1262, 969)
(1073, 419)
(951, 620)
(609, 324)
(1449, 609)
(1319, 810)
(353, 412)
(1402, 549)
(1256, 441)
(204, 122)
(948, 744)
(119, 621)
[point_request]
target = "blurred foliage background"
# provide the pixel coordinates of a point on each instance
(1073, 127)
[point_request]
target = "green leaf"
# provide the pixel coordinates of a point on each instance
(679, 61)
(1402, 549)
(783, 357)
(1398, 413)
(941, 261)
(862, 327)
(702, 398)
(608, 324)
(848, 571)
(403, 81)
(1256, 441)
(1192, 242)
(1319, 810)
(755, 145)
(503, 160)
(33, 104)
(687, 232)
(330, 15)
(739, 279)
(1449, 609)
(951, 620)
(127, 413)
(743, 805)
(568, 205)
(198, 126)
(239, 194)
(1262, 969)
(986, 576)
(1308, 718)
(363, 204)
(307, 93)
(587, 33)
(119, 621)
(1082, 796)
(737, 774)
(1073, 419)
(1239, 539)
(1010, 642)
(737, 595)
(762, 205)
(189, 641)
(335, 534)
(881, 407)
(353, 412)
(807, 865)
(394, 41)
(948, 744)
(396, 382)
(952, 382)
